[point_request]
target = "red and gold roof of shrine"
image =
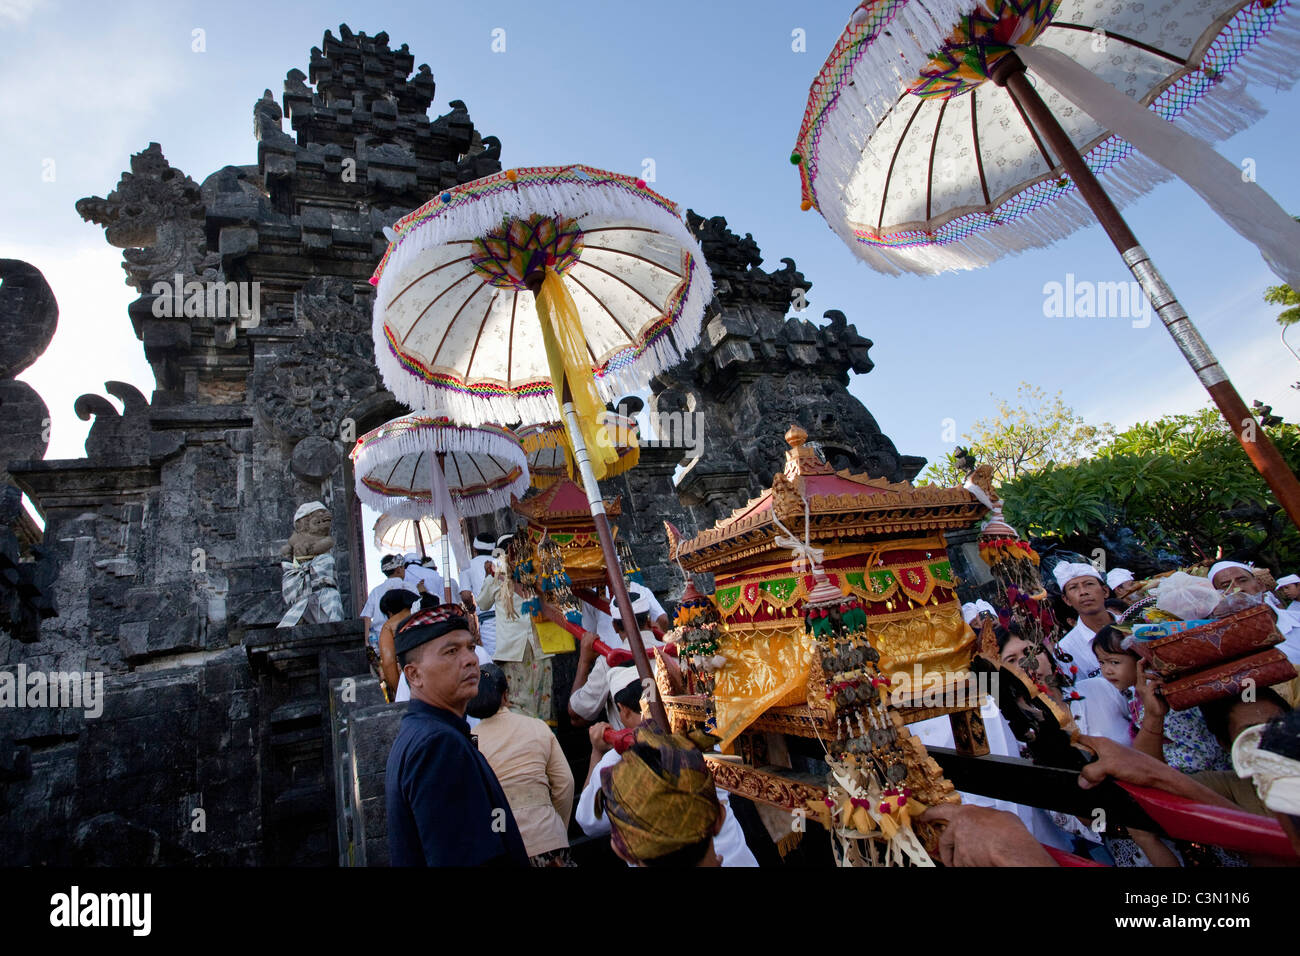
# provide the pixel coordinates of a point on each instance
(846, 512)
(892, 583)
(564, 503)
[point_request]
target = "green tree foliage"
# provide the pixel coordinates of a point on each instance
(1284, 295)
(1023, 438)
(1181, 483)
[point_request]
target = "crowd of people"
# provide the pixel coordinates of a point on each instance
(1118, 704)
(477, 775)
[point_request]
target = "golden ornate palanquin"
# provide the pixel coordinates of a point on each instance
(881, 542)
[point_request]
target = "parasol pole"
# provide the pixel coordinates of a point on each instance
(446, 565)
(1009, 73)
(436, 462)
(613, 571)
(419, 539)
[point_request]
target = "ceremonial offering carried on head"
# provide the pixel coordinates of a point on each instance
(1207, 644)
(818, 662)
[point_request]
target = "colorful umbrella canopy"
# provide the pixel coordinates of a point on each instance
(483, 467)
(400, 535)
(927, 146)
(550, 457)
(456, 329)
(921, 165)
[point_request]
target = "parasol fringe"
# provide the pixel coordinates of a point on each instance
(881, 70)
(1273, 60)
(1225, 109)
(1237, 200)
(375, 448)
(480, 504)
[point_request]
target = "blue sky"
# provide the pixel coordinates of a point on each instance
(711, 92)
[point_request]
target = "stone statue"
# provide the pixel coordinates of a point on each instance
(308, 584)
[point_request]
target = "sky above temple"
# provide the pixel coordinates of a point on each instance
(707, 96)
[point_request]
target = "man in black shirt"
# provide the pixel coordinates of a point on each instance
(445, 806)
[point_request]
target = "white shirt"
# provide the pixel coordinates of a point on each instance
(728, 844)
(476, 572)
(371, 610)
(1078, 644)
(511, 638)
(1103, 711)
(589, 699)
(432, 582)
(602, 625)
(1288, 625)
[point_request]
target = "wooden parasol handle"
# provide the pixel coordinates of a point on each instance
(1009, 73)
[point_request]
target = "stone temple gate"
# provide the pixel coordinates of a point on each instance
(158, 568)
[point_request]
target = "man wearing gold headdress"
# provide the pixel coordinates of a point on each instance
(658, 801)
(661, 803)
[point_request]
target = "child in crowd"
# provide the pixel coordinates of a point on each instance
(1180, 738)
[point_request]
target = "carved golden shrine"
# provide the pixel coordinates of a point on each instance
(880, 542)
(562, 512)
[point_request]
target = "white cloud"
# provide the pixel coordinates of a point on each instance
(18, 11)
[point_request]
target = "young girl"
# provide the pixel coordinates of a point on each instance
(1180, 738)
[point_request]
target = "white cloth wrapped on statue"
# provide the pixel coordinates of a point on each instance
(310, 591)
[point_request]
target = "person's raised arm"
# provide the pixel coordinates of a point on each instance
(587, 707)
(1150, 737)
(585, 812)
(487, 594)
(1133, 766)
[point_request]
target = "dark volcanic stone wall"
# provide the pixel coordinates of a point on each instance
(168, 532)
(166, 536)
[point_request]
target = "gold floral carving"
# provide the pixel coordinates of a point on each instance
(763, 787)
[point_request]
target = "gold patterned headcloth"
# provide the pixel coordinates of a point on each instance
(660, 797)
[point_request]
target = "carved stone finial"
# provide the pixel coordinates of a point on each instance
(114, 435)
(156, 215)
(734, 262)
